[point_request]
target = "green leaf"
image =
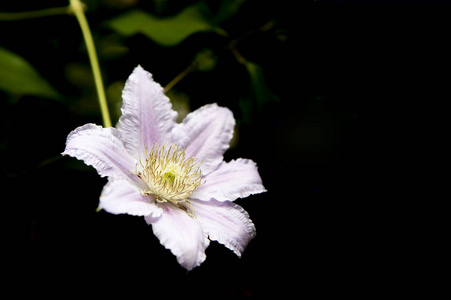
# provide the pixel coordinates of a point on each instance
(259, 94)
(206, 60)
(259, 89)
(18, 77)
(228, 9)
(168, 31)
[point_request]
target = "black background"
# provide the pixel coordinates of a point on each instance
(329, 152)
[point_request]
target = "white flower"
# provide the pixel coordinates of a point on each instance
(172, 174)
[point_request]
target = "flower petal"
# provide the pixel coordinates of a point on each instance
(101, 148)
(236, 179)
(147, 115)
(181, 234)
(225, 222)
(206, 134)
(121, 197)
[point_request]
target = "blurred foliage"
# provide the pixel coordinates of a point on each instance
(18, 77)
(168, 31)
(260, 94)
(193, 46)
(265, 60)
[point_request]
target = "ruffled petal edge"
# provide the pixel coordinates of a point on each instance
(226, 223)
(235, 179)
(101, 148)
(181, 234)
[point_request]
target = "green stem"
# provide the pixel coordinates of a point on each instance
(13, 16)
(77, 8)
(182, 75)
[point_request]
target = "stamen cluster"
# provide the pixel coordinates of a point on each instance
(170, 176)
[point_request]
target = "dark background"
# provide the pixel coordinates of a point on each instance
(342, 78)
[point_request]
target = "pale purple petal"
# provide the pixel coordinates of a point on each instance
(101, 148)
(206, 134)
(236, 179)
(225, 222)
(181, 234)
(147, 115)
(121, 197)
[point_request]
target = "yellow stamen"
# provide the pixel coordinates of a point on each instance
(170, 177)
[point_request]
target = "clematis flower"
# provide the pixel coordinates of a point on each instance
(171, 173)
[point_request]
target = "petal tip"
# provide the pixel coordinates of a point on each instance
(139, 68)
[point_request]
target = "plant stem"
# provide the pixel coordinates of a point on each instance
(13, 16)
(77, 8)
(182, 75)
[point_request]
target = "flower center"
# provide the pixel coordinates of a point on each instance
(170, 177)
